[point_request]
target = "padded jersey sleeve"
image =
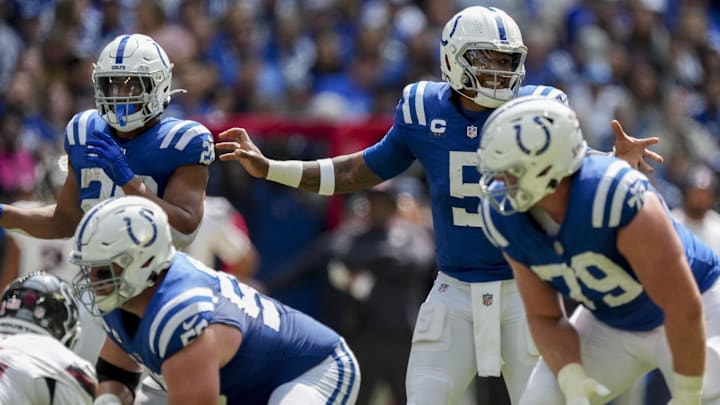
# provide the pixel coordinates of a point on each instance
(180, 320)
(189, 143)
(392, 154)
(619, 196)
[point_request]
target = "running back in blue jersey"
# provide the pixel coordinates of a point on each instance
(582, 261)
(278, 342)
(153, 155)
(430, 128)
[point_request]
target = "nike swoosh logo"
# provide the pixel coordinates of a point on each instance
(189, 324)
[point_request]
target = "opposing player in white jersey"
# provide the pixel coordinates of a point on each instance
(200, 333)
(472, 321)
(38, 326)
(595, 230)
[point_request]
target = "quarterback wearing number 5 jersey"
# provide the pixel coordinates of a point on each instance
(199, 332)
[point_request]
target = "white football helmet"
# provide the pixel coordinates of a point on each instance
(132, 79)
(40, 303)
(527, 146)
(121, 246)
(468, 43)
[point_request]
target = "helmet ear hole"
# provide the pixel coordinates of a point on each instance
(447, 64)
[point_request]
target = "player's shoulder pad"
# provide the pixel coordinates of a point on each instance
(176, 322)
(81, 125)
(490, 224)
(417, 100)
(617, 193)
(189, 138)
(547, 91)
(178, 134)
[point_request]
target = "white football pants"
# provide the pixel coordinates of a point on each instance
(336, 380)
(443, 356)
(617, 359)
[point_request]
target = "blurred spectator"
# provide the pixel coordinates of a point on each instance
(386, 269)
(11, 44)
(17, 164)
(178, 42)
(698, 212)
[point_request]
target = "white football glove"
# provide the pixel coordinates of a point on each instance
(688, 390)
(578, 388)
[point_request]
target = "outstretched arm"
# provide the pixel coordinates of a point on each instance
(339, 175)
(51, 221)
(634, 150)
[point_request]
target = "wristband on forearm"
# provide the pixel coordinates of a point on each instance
(327, 177)
(290, 172)
(287, 172)
(688, 389)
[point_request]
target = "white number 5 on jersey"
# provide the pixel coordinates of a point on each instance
(459, 160)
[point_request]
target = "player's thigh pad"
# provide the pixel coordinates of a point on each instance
(442, 358)
(334, 381)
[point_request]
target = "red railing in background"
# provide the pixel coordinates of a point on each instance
(342, 137)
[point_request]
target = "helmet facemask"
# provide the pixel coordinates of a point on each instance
(121, 246)
(490, 77)
(482, 55)
(100, 286)
(127, 102)
(132, 79)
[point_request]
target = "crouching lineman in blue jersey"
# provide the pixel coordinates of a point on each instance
(472, 321)
(595, 230)
(202, 334)
(125, 147)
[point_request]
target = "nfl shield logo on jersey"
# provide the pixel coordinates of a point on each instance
(472, 131)
(487, 299)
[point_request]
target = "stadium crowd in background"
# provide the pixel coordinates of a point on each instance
(652, 64)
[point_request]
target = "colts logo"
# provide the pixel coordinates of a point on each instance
(147, 241)
(529, 150)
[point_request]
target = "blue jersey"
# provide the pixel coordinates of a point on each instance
(278, 343)
(430, 128)
(153, 155)
(582, 260)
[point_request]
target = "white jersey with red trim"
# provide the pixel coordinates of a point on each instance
(38, 370)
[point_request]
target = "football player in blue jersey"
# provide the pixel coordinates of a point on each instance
(125, 147)
(472, 321)
(595, 230)
(201, 333)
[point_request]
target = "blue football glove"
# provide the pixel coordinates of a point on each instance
(106, 154)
